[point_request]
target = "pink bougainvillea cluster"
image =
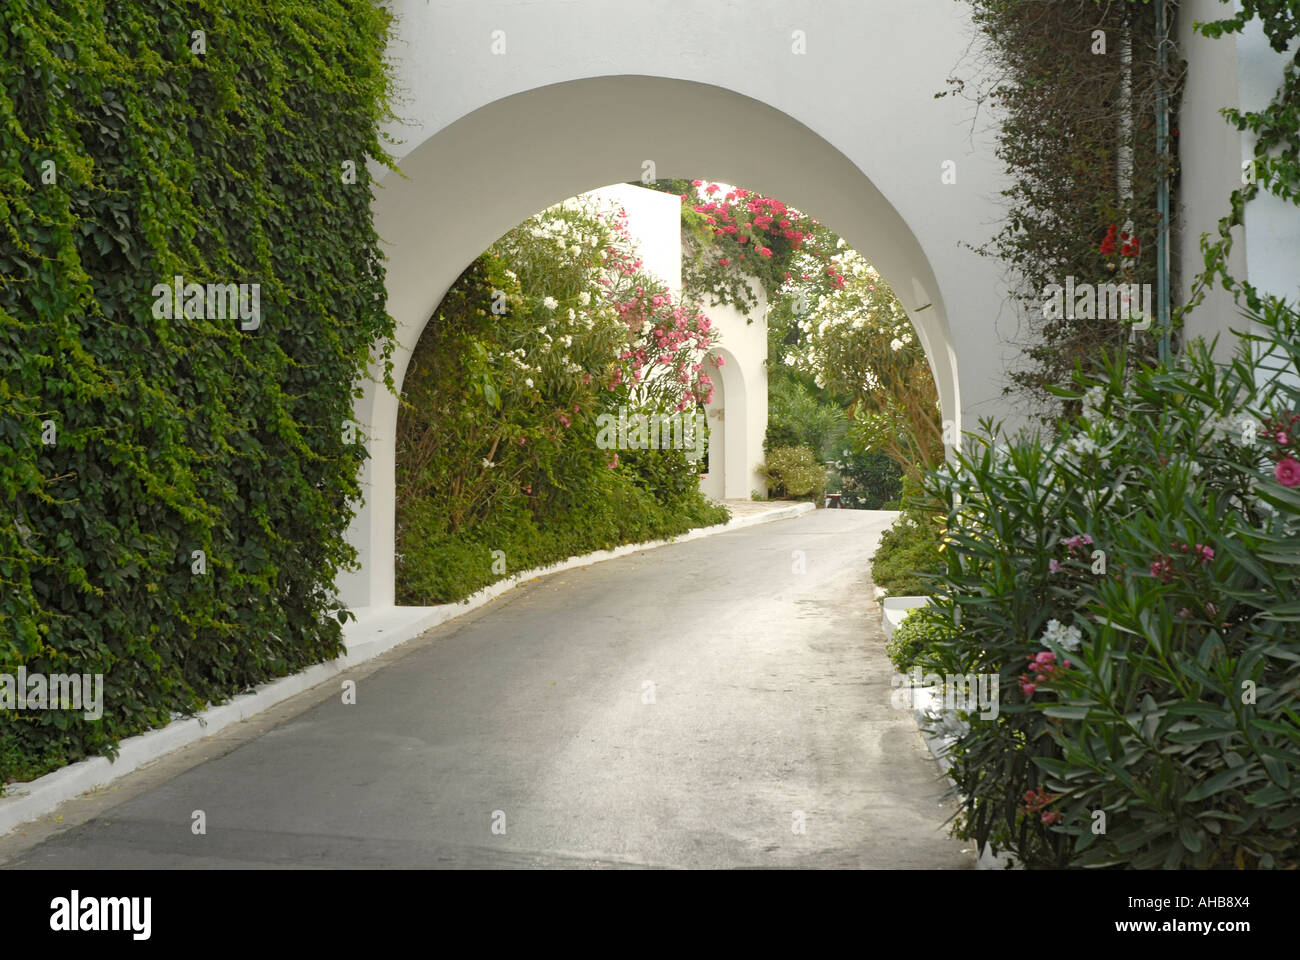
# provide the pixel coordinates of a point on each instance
(762, 236)
(668, 344)
(667, 340)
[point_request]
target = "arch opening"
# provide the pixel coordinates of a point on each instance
(432, 226)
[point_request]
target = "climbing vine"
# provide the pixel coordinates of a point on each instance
(1073, 85)
(178, 472)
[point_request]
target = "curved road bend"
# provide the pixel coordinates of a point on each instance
(690, 706)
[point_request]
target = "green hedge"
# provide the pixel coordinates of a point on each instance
(131, 153)
(908, 556)
(920, 630)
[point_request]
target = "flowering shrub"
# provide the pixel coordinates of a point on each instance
(1136, 576)
(1064, 131)
(732, 235)
(858, 342)
(554, 325)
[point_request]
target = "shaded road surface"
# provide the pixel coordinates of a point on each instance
(690, 706)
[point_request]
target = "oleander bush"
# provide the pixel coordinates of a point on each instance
(506, 460)
(1133, 582)
(177, 484)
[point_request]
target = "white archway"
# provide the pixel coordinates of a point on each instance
(476, 178)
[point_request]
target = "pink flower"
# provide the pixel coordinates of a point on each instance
(1287, 472)
(1054, 567)
(697, 183)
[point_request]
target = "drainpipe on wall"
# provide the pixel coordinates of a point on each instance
(1162, 195)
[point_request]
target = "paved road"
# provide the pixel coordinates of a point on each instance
(689, 706)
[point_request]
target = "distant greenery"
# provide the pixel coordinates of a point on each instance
(794, 473)
(867, 481)
(800, 414)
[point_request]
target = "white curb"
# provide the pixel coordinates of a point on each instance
(375, 631)
(926, 709)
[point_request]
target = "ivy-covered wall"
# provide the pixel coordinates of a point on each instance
(176, 481)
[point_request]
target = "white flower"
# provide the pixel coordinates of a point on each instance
(846, 453)
(488, 463)
(550, 303)
(572, 315)
(1083, 444)
(566, 340)
(528, 382)
(584, 298)
(896, 345)
(1194, 468)
(575, 250)
(788, 359)
(1066, 637)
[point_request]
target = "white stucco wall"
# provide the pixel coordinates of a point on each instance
(1243, 72)
(654, 221)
